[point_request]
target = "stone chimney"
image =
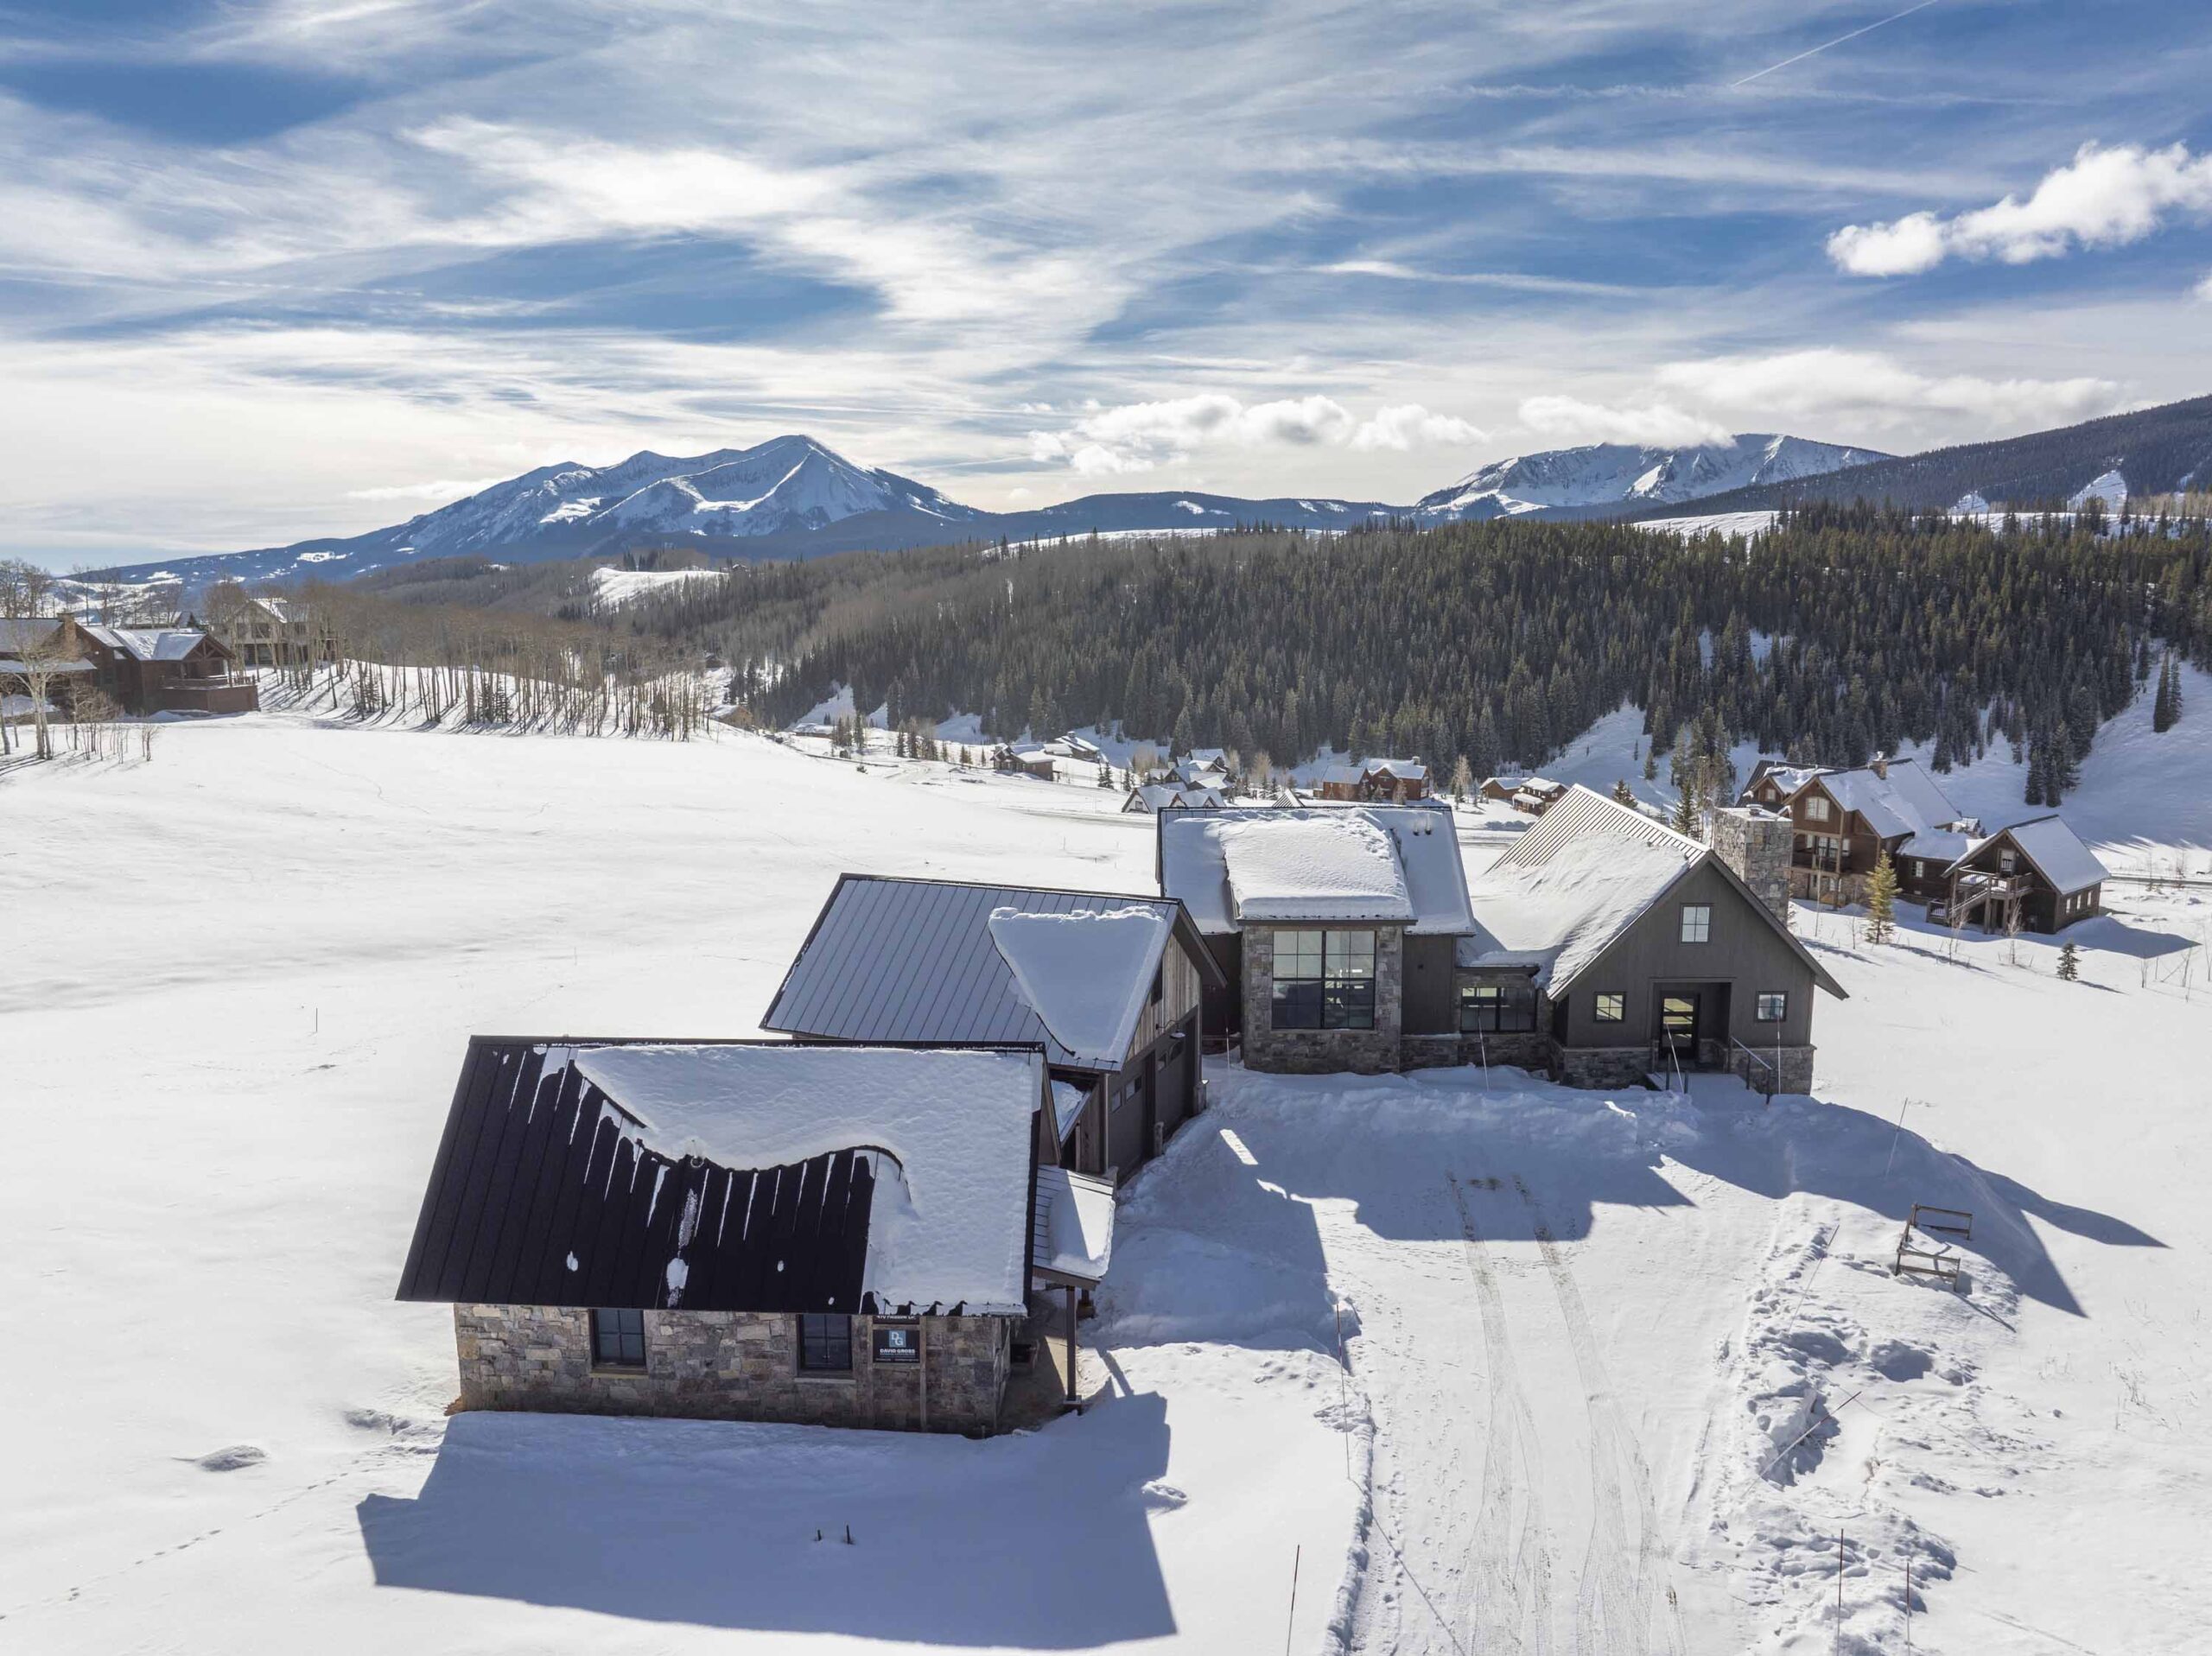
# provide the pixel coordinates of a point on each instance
(1755, 844)
(1880, 766)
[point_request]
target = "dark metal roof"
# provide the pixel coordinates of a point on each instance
(539, 1197)
(913, 960)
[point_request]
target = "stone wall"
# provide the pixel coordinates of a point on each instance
(729, 1365)
(1323, 1051)
(1796, 1069)
(1755, 844)
(1431, 1051)
(1601, 1066)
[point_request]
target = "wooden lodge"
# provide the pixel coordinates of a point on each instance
(2033, 876)
(1110, 986)
(1388, 781)
(752, 1230)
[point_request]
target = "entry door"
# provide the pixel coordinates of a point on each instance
(1678, 1026)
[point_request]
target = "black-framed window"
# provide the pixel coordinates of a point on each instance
(1324, 980)
(1505, 1007)
(618, 1339)
(1609, 1008)
(825, 1342)
(1773, 1006)
(1697, 923)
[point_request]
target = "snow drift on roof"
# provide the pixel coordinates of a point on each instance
(1318, 863)
(1075, 1224)
(1087, 972)
(1904, 801)
(150, 643)
(1564, 907)
(948, 1217)
(2057, 852)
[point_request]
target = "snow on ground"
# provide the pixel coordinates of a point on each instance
(616, 587)
(1582, 1331)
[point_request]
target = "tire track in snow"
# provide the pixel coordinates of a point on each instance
(1616, 1607)
(1512, 1607)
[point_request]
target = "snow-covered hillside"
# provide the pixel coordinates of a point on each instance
(617, 588)
(1607, 473)
(1579, 1331)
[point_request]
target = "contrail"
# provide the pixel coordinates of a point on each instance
(1815, 51)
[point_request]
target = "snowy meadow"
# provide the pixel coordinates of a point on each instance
(1450, 1361)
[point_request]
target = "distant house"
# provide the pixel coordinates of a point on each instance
(2036, 870)
(267, 632)
(39, 658)
(1500, 789)
(1536, 794)
(750, 1230)
(141, 670)
(1149, 796)
(1842, 820)
(1038, 762)
(1388, 782)
(1110, 986)
(1603, 947)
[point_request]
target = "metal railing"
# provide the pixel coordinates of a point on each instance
(1773, 1070)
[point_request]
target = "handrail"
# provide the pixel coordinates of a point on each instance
(1773, 1070)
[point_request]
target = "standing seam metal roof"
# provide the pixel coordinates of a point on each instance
(904, 959)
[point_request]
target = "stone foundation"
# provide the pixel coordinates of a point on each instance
(1601, 1066)
(1323, 1051)
(1797, 1070)
(1431, 1051)
(730, 1366)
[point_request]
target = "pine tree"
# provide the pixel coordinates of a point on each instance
(1623, 793)
(1463, 780)
(1650, 764)
(1685, 819)
(1882, 900)
(2165, 703)
(2069, 961)
(1105, 774)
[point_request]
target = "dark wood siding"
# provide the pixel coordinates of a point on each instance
(1431, 1007)
(1745, 953)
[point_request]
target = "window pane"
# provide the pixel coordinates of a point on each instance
(1697, 923)
(619, 1338)
(1773, 1007)
(1611, 1008)
(1351, 954)
(825, 1342)
(1298, 954)
(1351, 1005)
(1298, 1006)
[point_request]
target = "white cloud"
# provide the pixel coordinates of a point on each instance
(1408, 425)
(2203, 289)
(1866, 387)
(1568, 420)
(440, 489)
(1136, 436)
(2105, 197)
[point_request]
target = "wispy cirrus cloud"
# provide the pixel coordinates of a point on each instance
(2105, 197)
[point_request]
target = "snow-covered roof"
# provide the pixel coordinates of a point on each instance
(1391, 863)
(150, 643)
(1087, 972)
(1075, 1225)
(1403, 770)
(2055, 851)
(1938, 845)
(1343, 775)
(947, 1222)
(1589, 869)
(21, 633)
(1906, 801)
(732, 1176)
(1160, 796)
(920, 959)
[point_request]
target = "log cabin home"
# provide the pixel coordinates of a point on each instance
(751, 1230)
(142, 669)
(2035, 875)
(1603, 949)
(1537, 795)
(1386, 782)
(1842, 820)
(1112, 988)
(1499, 790)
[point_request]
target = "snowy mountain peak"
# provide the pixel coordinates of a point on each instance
(1600, 474)
(786, 483)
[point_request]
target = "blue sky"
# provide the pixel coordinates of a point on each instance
(278, 267)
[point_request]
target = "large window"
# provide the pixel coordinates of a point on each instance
(1816, 809)
(825, 1343)
(1610, 1009)
(618, 1339)
(1773, 1006)
(1325, 979)
(1508, 1007)
(1697, 923)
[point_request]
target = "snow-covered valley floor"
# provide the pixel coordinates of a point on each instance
(1581, 1332)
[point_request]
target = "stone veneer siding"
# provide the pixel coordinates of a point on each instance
(1756, 845)
(729, 1365)
(1323, 1051)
